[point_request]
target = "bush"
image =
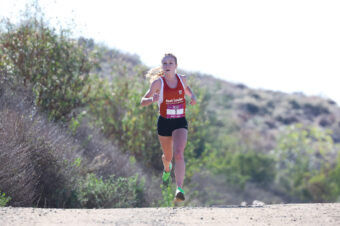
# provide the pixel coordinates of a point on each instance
(113, 192)
(116, 109)
(232, 159)
(239, 168)
(57, 66)
(4, 199)
(315, 110)
(32, 170)
(320, 188)
(305, 164)
(258, 168)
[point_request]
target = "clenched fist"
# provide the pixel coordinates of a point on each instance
(155, 97)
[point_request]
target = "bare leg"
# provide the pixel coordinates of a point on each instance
(166, 144)
(179, 137)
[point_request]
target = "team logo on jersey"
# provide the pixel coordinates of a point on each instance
(180, 92)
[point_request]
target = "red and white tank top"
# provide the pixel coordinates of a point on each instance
(172, 100)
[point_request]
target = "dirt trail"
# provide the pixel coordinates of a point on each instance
(291, 214)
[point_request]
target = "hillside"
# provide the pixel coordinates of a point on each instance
(254, 111)
(266, 111)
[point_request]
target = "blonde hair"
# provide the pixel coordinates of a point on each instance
(154, 73)
(157, 72)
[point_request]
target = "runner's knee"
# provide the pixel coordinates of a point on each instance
(179, 155)
(167, 158)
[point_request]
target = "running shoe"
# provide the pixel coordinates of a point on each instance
(166, 176)
(179, 194)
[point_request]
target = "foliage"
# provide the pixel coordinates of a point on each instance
(115, 107)
(321, 188)
(113, 192)
(200, 133)
(4, 199)
(57, 66)
(257, 167)
(239, 168)
(168, 195)
(305, 164)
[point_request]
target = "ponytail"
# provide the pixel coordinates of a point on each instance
(154, 73)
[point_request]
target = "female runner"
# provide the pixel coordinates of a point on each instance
(168, 89)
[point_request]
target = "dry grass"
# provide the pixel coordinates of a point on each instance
(33, 170)
(38, 158)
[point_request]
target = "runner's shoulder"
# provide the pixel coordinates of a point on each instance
(182, 76)
(156, 84)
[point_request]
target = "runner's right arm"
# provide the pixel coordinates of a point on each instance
(152, 95)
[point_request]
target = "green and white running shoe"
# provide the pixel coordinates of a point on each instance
(166, 176)
(179, 195)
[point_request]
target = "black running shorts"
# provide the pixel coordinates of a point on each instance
(166, 126)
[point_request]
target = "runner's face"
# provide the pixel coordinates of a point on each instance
(169, 65)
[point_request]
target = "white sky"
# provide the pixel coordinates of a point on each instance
(290, 45)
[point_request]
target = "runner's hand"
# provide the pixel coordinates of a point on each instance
(193, 100)
(155, 97)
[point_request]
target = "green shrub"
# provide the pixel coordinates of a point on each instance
(320, 188)
(113, 192)
(257, 167)
(116, 109)
(168, 195)
(57, 66)
(305, 164)
(239, 168)
(4, 199)
(230, 157)
(335, 173)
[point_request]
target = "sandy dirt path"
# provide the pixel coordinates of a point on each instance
(291, 214)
